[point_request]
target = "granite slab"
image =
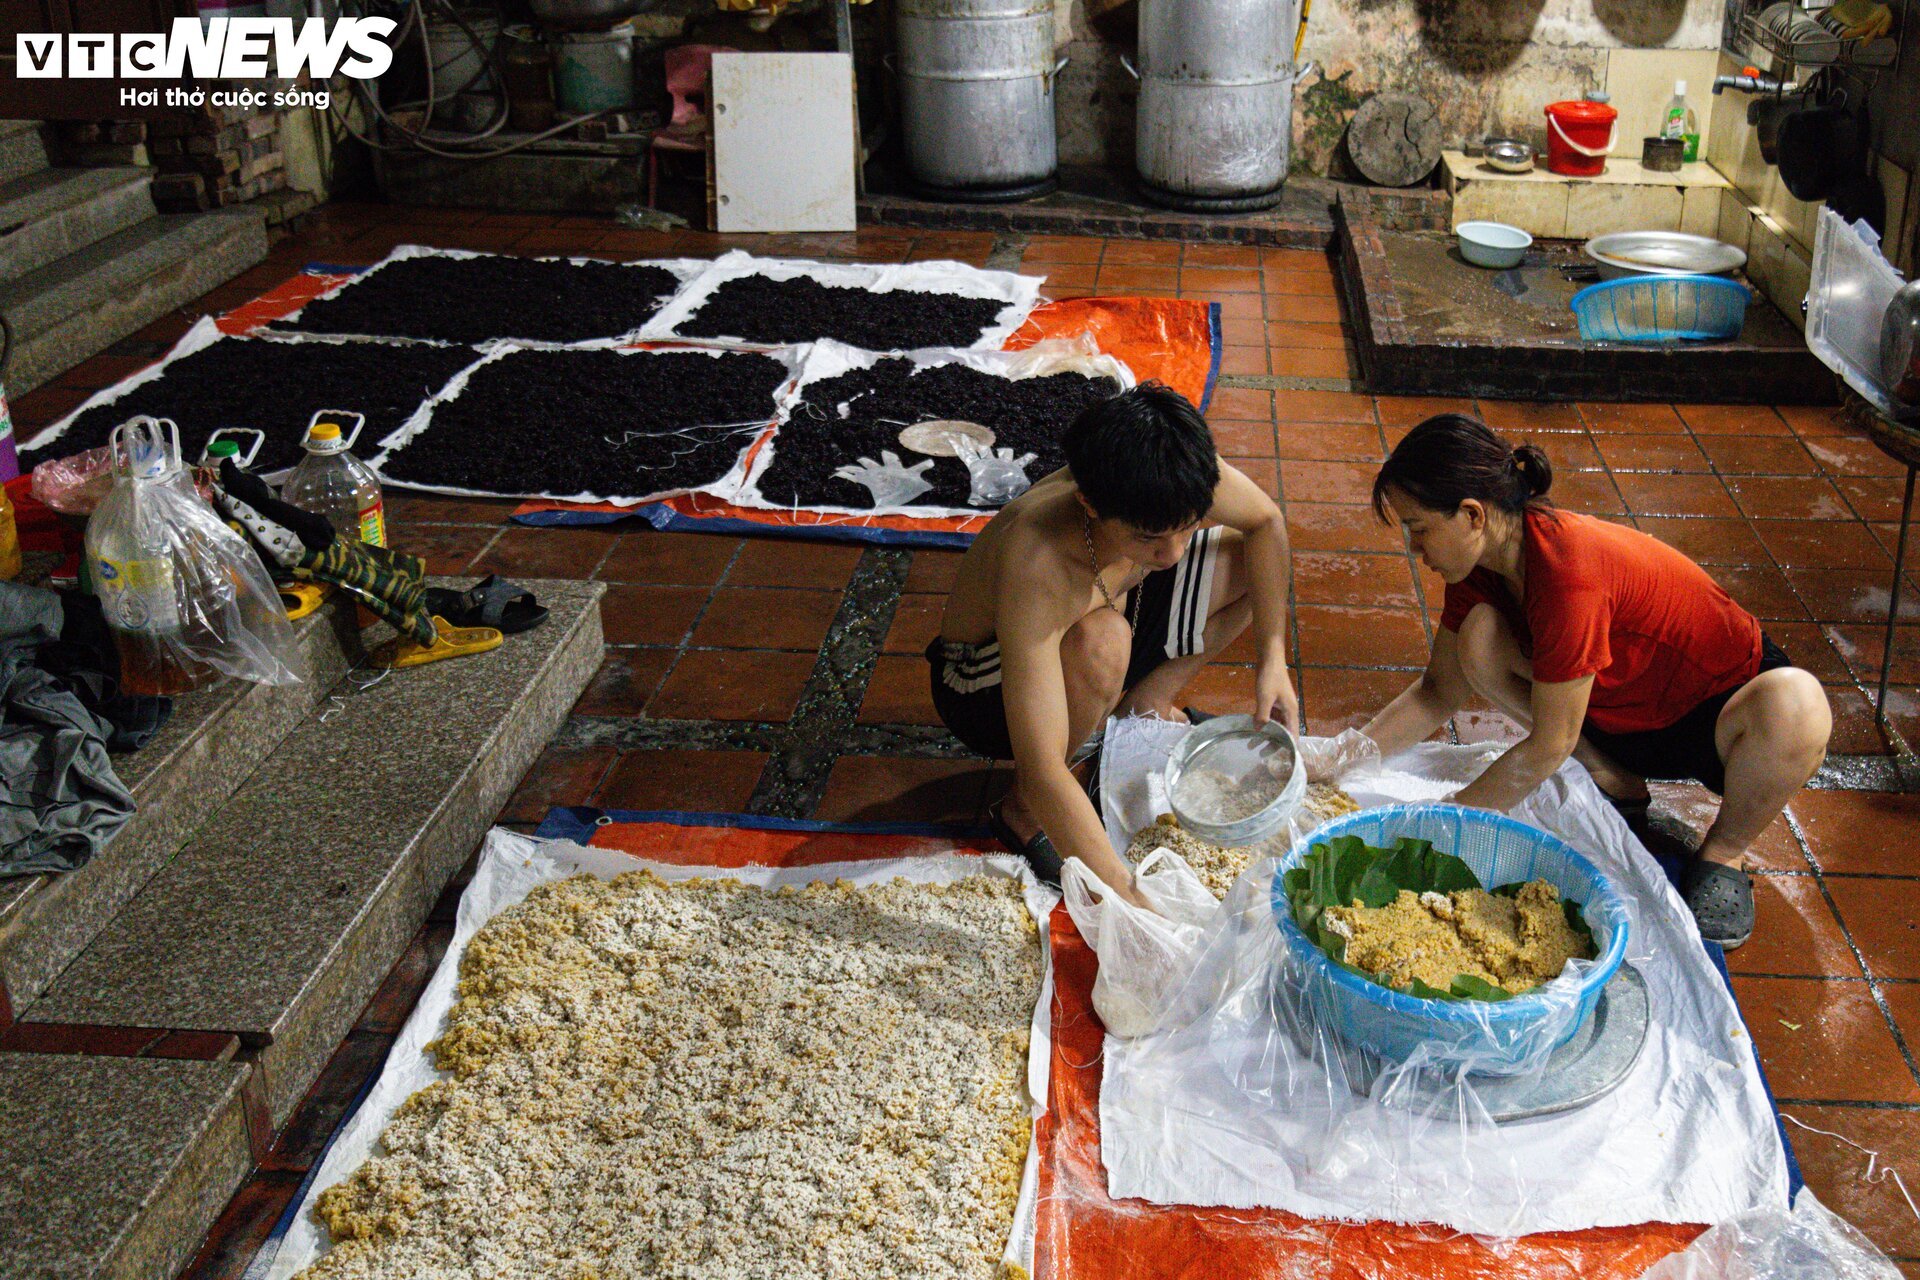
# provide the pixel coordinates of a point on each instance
(280, 917)
(114, 1167)
(214, 740)
(1430, 323)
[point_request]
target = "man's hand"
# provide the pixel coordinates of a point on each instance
(1273, 697)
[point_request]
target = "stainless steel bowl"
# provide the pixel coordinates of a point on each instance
(1663, 253)
(1509, 155)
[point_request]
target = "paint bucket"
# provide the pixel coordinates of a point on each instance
(593, 70)
(460, 60)
(1579, 137)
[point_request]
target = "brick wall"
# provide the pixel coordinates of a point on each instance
(206, 157)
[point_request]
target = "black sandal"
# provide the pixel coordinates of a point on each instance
(1721, 900)
(1039, 851)
(507, 607)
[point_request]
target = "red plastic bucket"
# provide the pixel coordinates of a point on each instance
(1579, 137)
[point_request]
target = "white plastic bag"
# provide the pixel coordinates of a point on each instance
(183, 593)
(1145, 956)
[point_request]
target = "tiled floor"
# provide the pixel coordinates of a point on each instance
(733, 664)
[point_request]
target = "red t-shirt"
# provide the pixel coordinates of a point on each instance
(1657, 634)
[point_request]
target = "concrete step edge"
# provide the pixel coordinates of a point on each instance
(45, 216)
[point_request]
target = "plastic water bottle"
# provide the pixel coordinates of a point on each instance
(131, 561)
(333, 484)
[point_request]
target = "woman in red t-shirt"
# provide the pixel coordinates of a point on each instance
(1606, 645)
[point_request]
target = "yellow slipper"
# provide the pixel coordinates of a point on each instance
(301, 598)
(401, 652)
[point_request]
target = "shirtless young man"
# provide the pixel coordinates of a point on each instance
(1106, 587)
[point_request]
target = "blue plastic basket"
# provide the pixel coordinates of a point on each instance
(1662, 309)
(1489, 1037)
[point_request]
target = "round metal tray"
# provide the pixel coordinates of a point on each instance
(1587, 1067)
(1663, 253)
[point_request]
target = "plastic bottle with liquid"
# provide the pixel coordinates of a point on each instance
(132, 569)
(330, 482)
(1678, 122)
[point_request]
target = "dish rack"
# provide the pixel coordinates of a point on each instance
(1750, 39)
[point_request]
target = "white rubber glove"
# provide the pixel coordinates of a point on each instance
(891, 482)
(998, 477)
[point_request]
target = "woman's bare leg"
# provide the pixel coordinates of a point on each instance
(1771, 735)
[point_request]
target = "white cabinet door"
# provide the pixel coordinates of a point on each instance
(783, 142)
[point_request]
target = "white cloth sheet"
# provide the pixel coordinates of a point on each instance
(1688, 1136)
(510, 867)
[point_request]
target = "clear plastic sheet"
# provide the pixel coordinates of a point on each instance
(178, 586)
(1273, 1080)
(1808, 1243)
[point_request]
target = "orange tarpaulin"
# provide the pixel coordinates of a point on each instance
(1083, 1235)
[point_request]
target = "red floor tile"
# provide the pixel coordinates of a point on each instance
(1067, 276)
(1709, 540)
(1222, 688)
(1322, 406)
(704, 781)
(916, 622)
(1853, 456)
(675, 559)
(626, 680)
(1511, 416)
(1297, 333)
(561, 776)
(1635, 452)
(1733, 420)
(886, 789)
(1323, 526)
(1244, 361)
(1695, 808)
(769, 562)
(1159, 253)
(1568, 451)
(634, 613)
(407, 509)
(546, 553)
(933, 571)
(1300, 308)
(1592, 492)
(1331, 442)
(1825, 1040)
(1807, 644)
(1883, 915)
(1862, 832)
(1327, 577)
(1663, 495)
(1873, 497)
(1824, 544)
(1333, 635)
(733, 684)
(1312, 362)
(1817, 420)
(1837, 1172)
(1789, 497)
(1903, 1001)
(1246, 439)
(1761, 590)
(1795, 933)
(767, 618)
(1305, 480)
(1863, 645)
(1241, 403)
(1131, 279)
(1767, 455)
(1220, 255)
(1851, 595)
(1638, 418)
(447, 549)
(899, 692)
(1407, 411)
(1337, 699)
(1223, 279)
(1856, 729)
(1309, 284)
(1076, 249)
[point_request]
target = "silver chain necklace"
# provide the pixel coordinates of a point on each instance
(1093, 562)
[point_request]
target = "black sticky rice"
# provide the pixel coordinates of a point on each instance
(762, 309)
(602, 422)
(474, 299)
(274, 387)
(1026, 415)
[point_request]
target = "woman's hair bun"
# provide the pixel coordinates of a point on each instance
(1534, 470)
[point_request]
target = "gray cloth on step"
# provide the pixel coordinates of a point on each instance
(59, 796)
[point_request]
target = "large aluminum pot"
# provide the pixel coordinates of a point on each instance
(1215, 119)
(976, 95)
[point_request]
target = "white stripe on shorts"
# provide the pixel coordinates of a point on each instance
(1193, 595)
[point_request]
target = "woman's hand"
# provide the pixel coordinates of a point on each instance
(1273, 696)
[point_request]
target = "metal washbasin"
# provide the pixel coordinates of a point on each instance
(1663, 253)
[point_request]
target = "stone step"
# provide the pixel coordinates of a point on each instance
(47, 215)
(115, 1165)
(280, 917)
(90, 299)
(23, 148)
(214, 740)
